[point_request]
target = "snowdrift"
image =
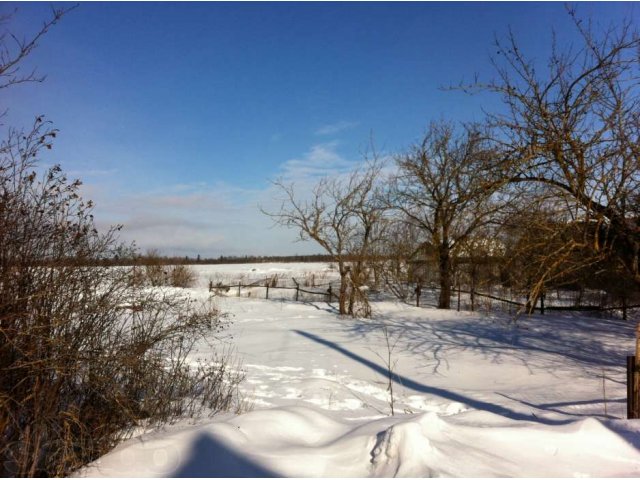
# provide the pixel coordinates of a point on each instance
(306, 442)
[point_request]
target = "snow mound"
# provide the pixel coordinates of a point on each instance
(404, 450)
(305, 442)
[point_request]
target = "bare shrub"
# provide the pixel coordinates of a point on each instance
(182, 276)
(309, 279)
(85, 355)
(155, 271)
(314, 279)
(274, 280)
(138, 277)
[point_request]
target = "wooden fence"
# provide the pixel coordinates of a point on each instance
(511, 305)
(327, 295)
(327, 292)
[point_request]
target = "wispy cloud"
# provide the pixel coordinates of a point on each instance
(207, 219)
(213, 219)
(321, 160)
(91, 173)
(334, 128)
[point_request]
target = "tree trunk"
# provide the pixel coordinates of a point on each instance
(354, 284)
(636, 377)
(444, 263)
(474, 278)
(343, 295)
(356, 280)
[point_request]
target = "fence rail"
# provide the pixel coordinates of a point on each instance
(540, 304)
(469, 303)
(327, 295)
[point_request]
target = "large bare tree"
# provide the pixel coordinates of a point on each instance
(446, 186)
(342, 215)
(573, 125)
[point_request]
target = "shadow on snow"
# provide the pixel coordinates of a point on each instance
(586, 342)
(420, 387)
(209, 457)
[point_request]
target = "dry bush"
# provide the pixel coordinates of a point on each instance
(155, 272)
(138, 277)
(396, 281)
(314, 279)
(182, 276)
(85, 355)
(218, 284)
(309, 279)
(273, 280)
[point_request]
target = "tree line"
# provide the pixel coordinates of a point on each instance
(133, 258)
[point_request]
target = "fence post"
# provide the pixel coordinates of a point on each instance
(297, 291)
(418, 292)
(542, 295)
(631, 388)
(458, 297)
(330, 293)
(624, 307)
(267, 291)
(210, 285)
(473, 300)
(239, 286)
(510, 298)
(636, 376)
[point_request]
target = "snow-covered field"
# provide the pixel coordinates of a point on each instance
(473, 395)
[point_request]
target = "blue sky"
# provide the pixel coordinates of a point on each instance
(177, 115)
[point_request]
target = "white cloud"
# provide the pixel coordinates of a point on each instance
(91, 173)
(209, 220)
(337, 127)
(320, 160)
(213, 219)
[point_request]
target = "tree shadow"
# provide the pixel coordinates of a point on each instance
(627, 431)
(584, 342)
(555, 407)
(420, 387)
(209, 457)
(326, 307)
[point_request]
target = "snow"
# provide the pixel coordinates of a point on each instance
(475, 395)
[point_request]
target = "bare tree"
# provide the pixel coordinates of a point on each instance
(573, 125)
(343, 217)
(446, 186)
